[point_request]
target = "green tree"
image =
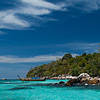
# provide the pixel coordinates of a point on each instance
(67, 56)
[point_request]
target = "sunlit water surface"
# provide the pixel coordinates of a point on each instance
(46, 90)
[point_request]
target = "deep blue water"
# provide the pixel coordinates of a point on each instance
(46, 90)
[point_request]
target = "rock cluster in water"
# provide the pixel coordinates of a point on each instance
(83, 79)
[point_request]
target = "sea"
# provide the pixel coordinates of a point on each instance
(46, 90)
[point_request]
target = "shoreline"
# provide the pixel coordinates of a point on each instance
(82, 79)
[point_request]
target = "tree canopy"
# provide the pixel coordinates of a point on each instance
(85, 63)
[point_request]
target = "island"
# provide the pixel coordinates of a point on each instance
(69, 67)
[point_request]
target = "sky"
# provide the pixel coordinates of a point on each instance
(36, 32)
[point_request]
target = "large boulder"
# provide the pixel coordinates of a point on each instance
(83, 81)
(69, 83)
(61, 82)
(93, 81)
(84, 75)
(72, 81)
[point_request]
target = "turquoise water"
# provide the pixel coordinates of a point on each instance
(46, 90)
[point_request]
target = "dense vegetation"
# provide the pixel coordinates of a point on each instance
(85, 63)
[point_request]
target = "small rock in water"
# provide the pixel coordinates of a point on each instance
(61, 82)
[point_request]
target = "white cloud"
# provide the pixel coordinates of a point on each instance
(85, 46)
(42, 58)
(8, 20)
(11, 19)
(85, 5)
(42, 4)
(36, 59)
(33, 11)
(63, 53)
(74, 54)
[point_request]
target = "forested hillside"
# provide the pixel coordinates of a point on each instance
(85, 63)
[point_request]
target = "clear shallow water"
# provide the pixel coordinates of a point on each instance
(46, 90)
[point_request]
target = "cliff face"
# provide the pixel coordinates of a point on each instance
(85, 63)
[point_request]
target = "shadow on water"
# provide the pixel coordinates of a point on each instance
(29, 85)
(78, 87)
(48, 84)
(55, 85)
(20, 88)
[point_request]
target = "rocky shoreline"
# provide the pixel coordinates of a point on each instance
(82, 79)
(61, 77)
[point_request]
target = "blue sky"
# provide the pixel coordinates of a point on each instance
(34, 32)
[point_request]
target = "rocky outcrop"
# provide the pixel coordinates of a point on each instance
(61, 82)
(84, 75)
(73, 81)
(83, 79)
(93, 81)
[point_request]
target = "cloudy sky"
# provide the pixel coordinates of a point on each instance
(34, 32)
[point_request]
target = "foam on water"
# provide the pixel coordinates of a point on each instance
(46, 90)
